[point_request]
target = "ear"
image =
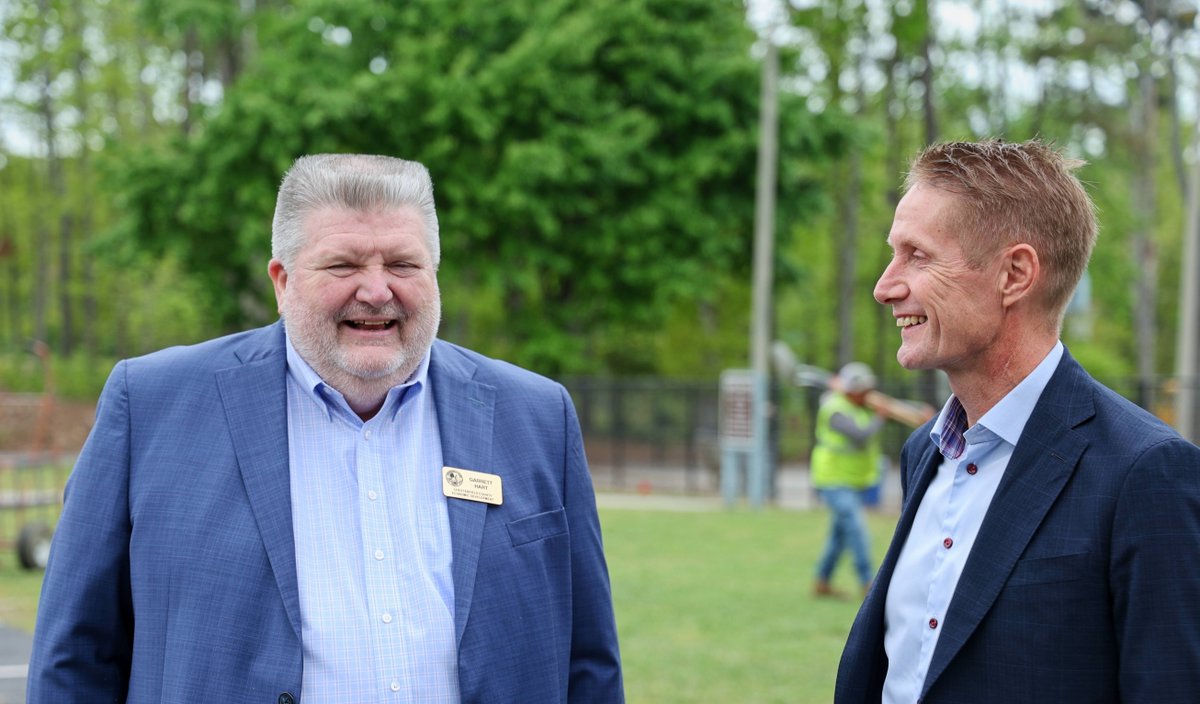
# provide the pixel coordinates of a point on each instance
(1020, 271)
(279, 278)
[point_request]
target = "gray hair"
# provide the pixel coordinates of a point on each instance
(361, 182)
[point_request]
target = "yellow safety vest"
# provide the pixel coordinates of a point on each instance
(835, 460)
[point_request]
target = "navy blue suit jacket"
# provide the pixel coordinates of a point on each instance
(1084, 582)
(172, 574)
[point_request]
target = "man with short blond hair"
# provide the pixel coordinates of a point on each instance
(1048, 549)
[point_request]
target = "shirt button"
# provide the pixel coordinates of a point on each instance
(395, 686)
(387, 618)
(372, 495)
(933, 623)
(972, 469)
(366, 434)
(948, 543)
(378, 554)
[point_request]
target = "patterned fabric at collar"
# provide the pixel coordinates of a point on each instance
(950, 433)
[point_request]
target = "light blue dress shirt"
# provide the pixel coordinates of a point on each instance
(946, 525)
(372, 544)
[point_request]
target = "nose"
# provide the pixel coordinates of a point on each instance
(373, 287)
(889, 288)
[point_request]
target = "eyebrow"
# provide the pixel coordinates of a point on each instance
(360, 253)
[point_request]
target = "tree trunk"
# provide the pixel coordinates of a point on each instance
(144, 93)
(1145, 250)
(1172, 101)
(930, 381)
(885, 326)
(82, 204)
(66, 306)
(59, 205)
(930, 112)
(9, 306)
(41, 284)
(847, 286)
(13, 283)
(193, 71)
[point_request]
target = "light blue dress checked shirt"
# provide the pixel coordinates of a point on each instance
(372, 544)
(946, 525)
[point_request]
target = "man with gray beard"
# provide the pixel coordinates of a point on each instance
(338, 505)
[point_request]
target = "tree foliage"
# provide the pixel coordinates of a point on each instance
(1069, 72)
(593, 162)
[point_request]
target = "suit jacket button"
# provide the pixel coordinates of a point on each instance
(287, 698)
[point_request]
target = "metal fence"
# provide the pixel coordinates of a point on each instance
(637, 432)
(631, 426)
(666, 430)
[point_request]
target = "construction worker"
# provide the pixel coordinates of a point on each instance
(845, 461)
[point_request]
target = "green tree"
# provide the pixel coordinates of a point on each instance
(593, 160)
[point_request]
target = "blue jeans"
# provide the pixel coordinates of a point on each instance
(847, 531)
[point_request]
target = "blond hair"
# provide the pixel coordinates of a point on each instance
(1011, 193)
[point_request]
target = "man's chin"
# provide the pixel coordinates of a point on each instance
(912, 360)
(373, 369)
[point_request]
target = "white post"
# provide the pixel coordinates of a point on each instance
(764, 269)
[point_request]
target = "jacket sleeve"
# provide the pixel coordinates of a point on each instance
(1154, 575)
(83, 641)
(595, 674)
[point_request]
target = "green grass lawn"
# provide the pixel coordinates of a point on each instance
(711, 606)
(18, 593)
(19, 588)
(718, 606)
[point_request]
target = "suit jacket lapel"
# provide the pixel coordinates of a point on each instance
(915, 483)
(255, 399)
(1042, 462)
(465, 410)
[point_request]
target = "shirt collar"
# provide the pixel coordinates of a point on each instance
(328, 397)
(1005, 420)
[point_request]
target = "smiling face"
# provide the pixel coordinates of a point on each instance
(950, 314)
(361, 300)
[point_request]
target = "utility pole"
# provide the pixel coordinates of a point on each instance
(759, 473)
(1187, 366)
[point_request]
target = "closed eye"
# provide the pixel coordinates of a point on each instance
(341, 269)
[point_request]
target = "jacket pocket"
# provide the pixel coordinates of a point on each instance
(1048, 570)
(537, 527)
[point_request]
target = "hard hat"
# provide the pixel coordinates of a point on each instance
(856, 377)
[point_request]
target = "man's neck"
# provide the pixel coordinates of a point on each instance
(982, 386)
(366, 396)
(365, 406)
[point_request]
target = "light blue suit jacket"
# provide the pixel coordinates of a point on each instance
(172, 575)
(1084, 582)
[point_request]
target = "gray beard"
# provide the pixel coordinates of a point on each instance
(315, 338)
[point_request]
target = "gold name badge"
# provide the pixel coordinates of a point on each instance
(472, 486)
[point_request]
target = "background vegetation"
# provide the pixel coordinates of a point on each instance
(594, 163)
